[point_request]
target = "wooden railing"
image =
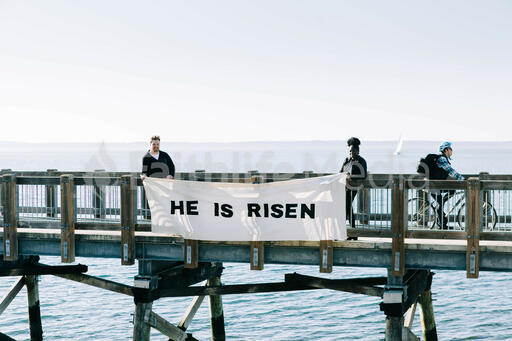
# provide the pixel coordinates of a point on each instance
(387, 205)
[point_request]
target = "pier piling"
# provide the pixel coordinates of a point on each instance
(216, 312)
(34, 310)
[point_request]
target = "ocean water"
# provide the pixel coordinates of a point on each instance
(464, 309)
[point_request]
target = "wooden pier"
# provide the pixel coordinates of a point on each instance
(101, 214)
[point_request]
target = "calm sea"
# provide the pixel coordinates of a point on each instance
(465, 309)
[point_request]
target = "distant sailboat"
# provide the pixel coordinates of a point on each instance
(398, 149)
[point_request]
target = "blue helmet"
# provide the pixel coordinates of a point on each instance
(444, 145)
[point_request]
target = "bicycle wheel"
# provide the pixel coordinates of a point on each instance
(489, 216)
(422, 213)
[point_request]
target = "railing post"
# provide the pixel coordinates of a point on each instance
(10, 213)
(98, 195)
(473, 208)
(191, 253)
(68, 218)
(326, 256)
(51, 196)
(257, 247)
(200, 175)
(128, 219)
(363, 205)
(398, 221)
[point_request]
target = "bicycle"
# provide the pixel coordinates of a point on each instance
(424, 211)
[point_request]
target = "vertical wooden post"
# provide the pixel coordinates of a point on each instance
(128, 219)
(68, 218)
(257, 247)
(51, 196)
(141, 327)
(363, 205)
(34, 310)
(428, 322)
(308, 174)
(98, 195)
(473, 208)
(200, 174)
(191, 253)
(394, 326)
(10, 208)
(216, 312)
(398, 222)
(257, 255)
(326, 256)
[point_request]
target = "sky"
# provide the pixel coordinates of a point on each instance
(228, 71)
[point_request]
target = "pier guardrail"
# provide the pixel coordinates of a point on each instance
(396, 206)
(97, 200)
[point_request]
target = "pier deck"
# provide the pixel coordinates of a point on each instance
(446, 254)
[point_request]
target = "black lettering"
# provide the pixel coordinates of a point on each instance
(180, 207)
(291, 211)
(310, 211)
(216, 209)
(277, 210)
(192, 207)
(253, 209)
(265, 210)
(227, 210)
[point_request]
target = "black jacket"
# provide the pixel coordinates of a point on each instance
(157, 168)
(358, 169)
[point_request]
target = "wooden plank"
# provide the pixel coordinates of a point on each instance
(10, 204)
(41, 269)
(11, 294)
(349, 285)
(409, 319)
(100, 283)
(473, 208)
(5, 337)
(257, 255)
(68, 218)
(34, 310)
(191, 312)
(166, 328)
(233, 289)
(365, 286)
(326, 255)
(398, 224)
(191, 253)
(128, 219)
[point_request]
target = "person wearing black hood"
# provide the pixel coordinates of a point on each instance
(355, 168)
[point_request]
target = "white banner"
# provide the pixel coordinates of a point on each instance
(306, 209)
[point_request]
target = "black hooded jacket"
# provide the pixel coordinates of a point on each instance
(357, 168)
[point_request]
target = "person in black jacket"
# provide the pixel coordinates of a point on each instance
(157, 163)
(355, 168)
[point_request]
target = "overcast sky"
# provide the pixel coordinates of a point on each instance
(198, 71)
